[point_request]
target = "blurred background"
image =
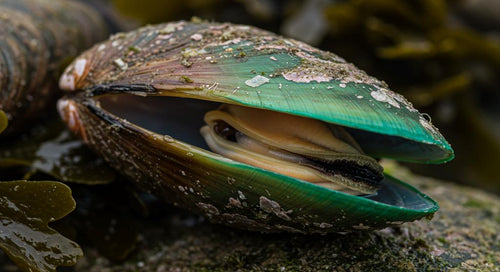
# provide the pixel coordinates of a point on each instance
(442, 55)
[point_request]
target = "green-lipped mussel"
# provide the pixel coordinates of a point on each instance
(250, 129)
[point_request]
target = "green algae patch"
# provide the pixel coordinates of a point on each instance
(26, 209)
(473, 203)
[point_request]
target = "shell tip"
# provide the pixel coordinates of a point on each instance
(67, 82)
(69, 113)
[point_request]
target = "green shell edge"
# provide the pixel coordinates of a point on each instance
(324, 195)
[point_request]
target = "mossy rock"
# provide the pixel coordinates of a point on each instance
(462, 236)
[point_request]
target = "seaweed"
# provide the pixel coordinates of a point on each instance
(26, 209)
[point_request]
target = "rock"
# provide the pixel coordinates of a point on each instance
(462, 236)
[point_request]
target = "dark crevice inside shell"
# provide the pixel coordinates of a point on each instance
(182, 118)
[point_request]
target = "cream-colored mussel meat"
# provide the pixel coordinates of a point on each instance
(300, 147)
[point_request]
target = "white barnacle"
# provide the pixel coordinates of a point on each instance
(121, 64)
(80, 65)
(383, 95)
(256, 81)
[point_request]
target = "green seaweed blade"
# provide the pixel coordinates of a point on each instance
(26, 209)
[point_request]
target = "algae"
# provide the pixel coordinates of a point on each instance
(26, 209)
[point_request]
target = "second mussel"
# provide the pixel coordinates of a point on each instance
(250, 129)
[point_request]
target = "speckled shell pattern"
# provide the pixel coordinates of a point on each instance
(248, 66)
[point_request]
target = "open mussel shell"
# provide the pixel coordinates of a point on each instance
(143, 96)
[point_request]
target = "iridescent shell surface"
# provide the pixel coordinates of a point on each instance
(193, 65)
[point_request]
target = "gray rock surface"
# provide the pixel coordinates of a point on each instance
(462, 236)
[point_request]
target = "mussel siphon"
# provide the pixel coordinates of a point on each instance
(287, 119)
